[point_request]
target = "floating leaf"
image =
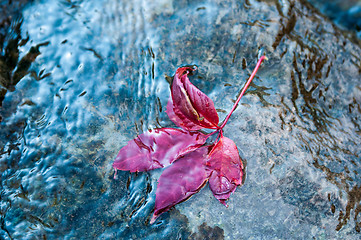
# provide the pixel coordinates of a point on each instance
(180, 181)
(220, 164)
(157, 148)
(180, 119)
(226, 169)
(190, 104)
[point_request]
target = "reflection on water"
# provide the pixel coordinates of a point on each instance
(79, 79)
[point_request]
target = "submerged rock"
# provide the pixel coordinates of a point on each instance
(298, 126)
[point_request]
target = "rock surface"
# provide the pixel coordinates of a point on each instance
(98, 81)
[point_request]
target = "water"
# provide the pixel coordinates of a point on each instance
(346, 14)
(84, 77)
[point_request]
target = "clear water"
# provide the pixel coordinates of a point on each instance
(346, 14)
(81, 78)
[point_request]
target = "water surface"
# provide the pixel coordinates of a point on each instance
(79, 79)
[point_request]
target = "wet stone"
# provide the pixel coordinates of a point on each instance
(82, 78)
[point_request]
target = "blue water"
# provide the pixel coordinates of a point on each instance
(346, 14)
(79, 79)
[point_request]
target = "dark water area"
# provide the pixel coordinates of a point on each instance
(79, 79)
(346, 14)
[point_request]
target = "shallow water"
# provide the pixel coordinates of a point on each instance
(79, 79)
(346, 14)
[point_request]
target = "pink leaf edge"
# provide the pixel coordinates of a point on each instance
(180, 181)
(226, 169)
(180, 119)
(157, 148)
(190, 108)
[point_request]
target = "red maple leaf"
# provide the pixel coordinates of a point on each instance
(191, 161)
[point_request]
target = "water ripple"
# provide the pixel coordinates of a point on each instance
(84, 77)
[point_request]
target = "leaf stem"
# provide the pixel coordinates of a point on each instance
(244, 89)
(210, 134)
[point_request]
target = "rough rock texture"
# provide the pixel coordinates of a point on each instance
(104, 62)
